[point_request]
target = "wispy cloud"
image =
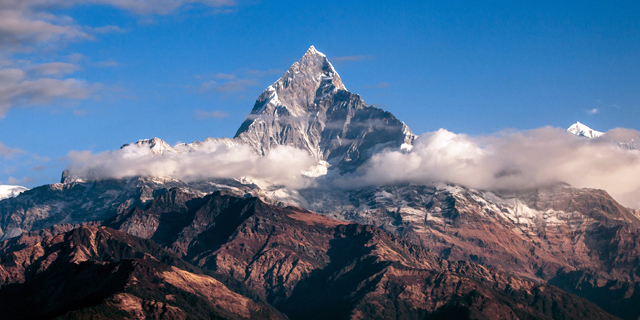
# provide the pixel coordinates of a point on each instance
(592, 111)
(28, 26)
(351, 58)
(14, 181)
(201, 114)
(8, 153)
(108, 29)
(228, 87)
(225, 76)
(17, 90)
(56, 69)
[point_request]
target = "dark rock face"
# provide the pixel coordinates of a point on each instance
(310, 266)
(306, 265)
(101, 273)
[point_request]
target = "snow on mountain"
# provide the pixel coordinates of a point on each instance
(157, 146)
(8, 191)
(310, 108)
(582, 130)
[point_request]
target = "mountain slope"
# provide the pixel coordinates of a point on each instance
(582, 130)
(44, 277)
(313, 267)
(309, 108)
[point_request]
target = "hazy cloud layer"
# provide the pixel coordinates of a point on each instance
(512, 161)
(282, 165)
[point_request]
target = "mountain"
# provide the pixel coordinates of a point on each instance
(376, 251)
(309, 108)
(8, 191)
(247, 252)
(582, 130)
(100, 273)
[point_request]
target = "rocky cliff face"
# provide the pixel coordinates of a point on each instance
(100, 273)
(309, 108)
(306, 265)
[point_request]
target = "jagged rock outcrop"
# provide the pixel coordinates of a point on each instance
(309, 108)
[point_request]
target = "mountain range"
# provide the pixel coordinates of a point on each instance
(160, 247)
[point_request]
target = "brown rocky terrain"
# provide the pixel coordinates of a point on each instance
(312, 266)
(100, 273)
(306, 265)
(565, 236)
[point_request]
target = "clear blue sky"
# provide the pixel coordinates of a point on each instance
(182, 72)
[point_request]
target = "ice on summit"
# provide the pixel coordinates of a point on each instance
(582, 130)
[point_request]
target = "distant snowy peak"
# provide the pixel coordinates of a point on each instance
(8, 191)
(159, 146)
(156, 145)
(582, 130)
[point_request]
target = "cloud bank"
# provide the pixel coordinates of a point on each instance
(283, 165)
(503, 161)
(515, 160)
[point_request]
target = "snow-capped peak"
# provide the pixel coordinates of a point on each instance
(582, 130)
(310, 108)
(157, 145)
(312, 51)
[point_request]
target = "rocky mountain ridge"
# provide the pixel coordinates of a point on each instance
(306, 265)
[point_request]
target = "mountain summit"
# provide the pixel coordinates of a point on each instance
(582, 130)
(310, 108)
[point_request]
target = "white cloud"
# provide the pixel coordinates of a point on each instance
(56, 69)
(14, 181)
(201, 114)
(225, 76)
(16, 89)
(8, 153)
(228, 87)
(283, 165)
(162, 7)
(592, 111)
(351, 58)
(511, 161)
(31, 25)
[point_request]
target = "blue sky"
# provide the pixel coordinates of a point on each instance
(95, 74)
